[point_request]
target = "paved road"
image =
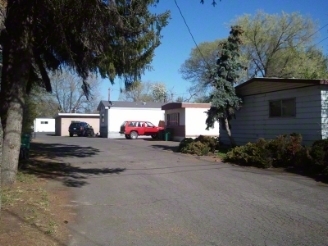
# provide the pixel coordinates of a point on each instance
(132, 192)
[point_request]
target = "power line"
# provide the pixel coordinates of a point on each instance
(192, 36)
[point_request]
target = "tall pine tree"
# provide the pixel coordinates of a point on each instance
(115, 38)
(223, 97)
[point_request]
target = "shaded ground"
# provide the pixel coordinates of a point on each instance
(48, 166)
(35, 212)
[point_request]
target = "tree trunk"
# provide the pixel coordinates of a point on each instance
(1, 141)
(227, 127)
(17, 60)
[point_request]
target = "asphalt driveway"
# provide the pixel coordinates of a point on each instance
(138, 192)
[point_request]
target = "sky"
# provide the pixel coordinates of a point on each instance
(208, 23)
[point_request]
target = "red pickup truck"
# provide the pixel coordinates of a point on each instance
(134, 128)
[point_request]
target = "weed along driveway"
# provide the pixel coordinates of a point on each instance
(139, 192)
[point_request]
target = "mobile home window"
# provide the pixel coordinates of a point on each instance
(282, 108)
(44, 122)
(173, 119)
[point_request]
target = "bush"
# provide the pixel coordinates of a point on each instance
(195, 148)
(202, 145)
(251, 154)
(319, 155)
(184, 143)
(284, 149)
(210, 142)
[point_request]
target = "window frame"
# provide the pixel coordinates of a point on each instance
(173, 122)
(281, 102)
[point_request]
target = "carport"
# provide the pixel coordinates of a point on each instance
(63, 120)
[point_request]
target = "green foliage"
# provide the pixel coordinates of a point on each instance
(195, 148)
(202, 145)
(281, 45)
(319, 154)
(223, 97)
(284, 149)
(251, 154)
(210, 142)
(184, 143)
(29, 114)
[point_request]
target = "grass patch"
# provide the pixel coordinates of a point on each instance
(31, 213)
(25, 177)
(222, 152)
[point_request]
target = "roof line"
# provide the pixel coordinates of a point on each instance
(282, 80)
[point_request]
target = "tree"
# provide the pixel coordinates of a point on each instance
(69, 95)
(276, 44)
(45, 102)
(114, 38)
(137, 92)
(199, 67)
(223, 97)
(146, 92)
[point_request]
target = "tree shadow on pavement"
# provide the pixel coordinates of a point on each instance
(165, 147)
(43, 164)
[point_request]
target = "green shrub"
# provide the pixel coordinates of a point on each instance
(202, 145)
(251, 154)
(184, 143)
(319, 155)
(284, 149)
(195, 148)
(210, 142)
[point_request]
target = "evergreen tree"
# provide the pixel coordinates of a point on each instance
(114, 38)
(223, 97)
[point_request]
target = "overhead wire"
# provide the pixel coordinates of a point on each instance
(192, 36)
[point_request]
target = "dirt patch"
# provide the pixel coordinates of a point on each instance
(35, 212)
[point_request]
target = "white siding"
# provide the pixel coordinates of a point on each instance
(253, 122)
(324, 111)
(196, 123)
(44, 125)
(116, 116)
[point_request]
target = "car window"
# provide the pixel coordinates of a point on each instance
(149, 124)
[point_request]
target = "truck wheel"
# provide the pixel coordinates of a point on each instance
(127, 136)
(71, 134)
(133, 135)
(154, 136)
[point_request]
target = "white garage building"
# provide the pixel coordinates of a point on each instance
(114, 113)
(44, 125)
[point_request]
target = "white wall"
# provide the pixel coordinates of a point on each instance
(253, 122)
(324, 111)
(44, 125)
(196, 123)
(116, 116)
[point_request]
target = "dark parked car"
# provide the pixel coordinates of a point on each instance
(80, 128)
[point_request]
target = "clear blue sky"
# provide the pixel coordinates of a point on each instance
(208, 23)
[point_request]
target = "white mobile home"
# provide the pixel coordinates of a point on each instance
(44, 125)
(188, 120)
(114, 113)
(274, 106)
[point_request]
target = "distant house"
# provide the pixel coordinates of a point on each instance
(63, 121)
(274, 106)
(188, 120)
(44, 125)
(114, 113)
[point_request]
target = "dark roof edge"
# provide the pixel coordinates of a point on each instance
(269, 79)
